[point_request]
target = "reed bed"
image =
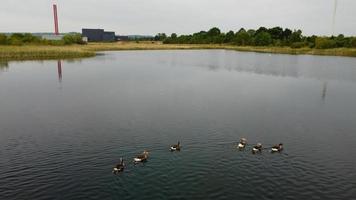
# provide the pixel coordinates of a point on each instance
(33, 52)
(350, 52)
(29, 52)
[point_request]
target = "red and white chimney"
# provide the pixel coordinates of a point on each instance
(56, 31)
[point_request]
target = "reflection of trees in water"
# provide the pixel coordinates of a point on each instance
(4, 66)
(261, 64)
(314, 67)
(325, 88)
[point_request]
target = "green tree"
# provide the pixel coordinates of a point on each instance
(174, 36)
(353, 42)
(199, 38)
(3, 39)
(241, 30)
(229, 37)
(250, 32)
(276, 33)
(16, 39)
(341, 41)
(29, 38)
(275, 36)
(242, 38)
(160, 37)
(311, 41)
(260, 30)
(296, 36)
(324, 43)
(214, 32)
(287, 33)
(75, 38)
(263, 39)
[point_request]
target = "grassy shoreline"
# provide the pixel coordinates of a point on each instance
(33, 52)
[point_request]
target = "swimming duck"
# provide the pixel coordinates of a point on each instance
(242, 143)
(142, 157)
(175, 147)
(277, 148)
(119, 167)
(257, 148)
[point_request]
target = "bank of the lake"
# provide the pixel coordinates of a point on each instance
(34, 52)
(39, 52)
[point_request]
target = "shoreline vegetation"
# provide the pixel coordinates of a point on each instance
(25, 46)
(42, 52)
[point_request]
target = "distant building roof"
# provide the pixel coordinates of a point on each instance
(52, 37)
(122, 37)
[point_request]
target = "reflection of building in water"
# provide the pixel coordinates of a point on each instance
(325, 87)
(59, 68)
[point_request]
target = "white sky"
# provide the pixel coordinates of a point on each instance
(180, 16)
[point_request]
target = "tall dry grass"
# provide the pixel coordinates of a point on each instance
(33, 52)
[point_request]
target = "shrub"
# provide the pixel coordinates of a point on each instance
(341, 41)
(73, 39)
(324, 43)
(263, 39)
(242, 38)
(16, 39)
(29, 38)
(297, 45)
(353, 42)
(311, 44)
(3, 39)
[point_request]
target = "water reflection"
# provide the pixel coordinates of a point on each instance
(147, 99)
(315, 67)
(59, 69)
(297, 66)
(4, 66)
(325, 88)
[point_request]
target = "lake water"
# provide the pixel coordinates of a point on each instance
(64, 125)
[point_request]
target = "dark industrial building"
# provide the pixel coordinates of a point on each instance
(98, 35)
(109, 36)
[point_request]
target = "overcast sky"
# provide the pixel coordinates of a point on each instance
(179, 16)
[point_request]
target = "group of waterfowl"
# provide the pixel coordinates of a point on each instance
(138, 159)
(141, 158)
(258, 147)
(176, 147)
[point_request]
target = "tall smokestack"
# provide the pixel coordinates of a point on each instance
(56, 32)
(334, 17)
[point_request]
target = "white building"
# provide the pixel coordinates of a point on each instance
(52, 37)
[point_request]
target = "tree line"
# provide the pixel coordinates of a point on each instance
(276, 36)
(28, 38)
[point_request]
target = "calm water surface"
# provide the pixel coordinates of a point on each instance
(64, 125)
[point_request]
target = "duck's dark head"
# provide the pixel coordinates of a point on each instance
(280, 144)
